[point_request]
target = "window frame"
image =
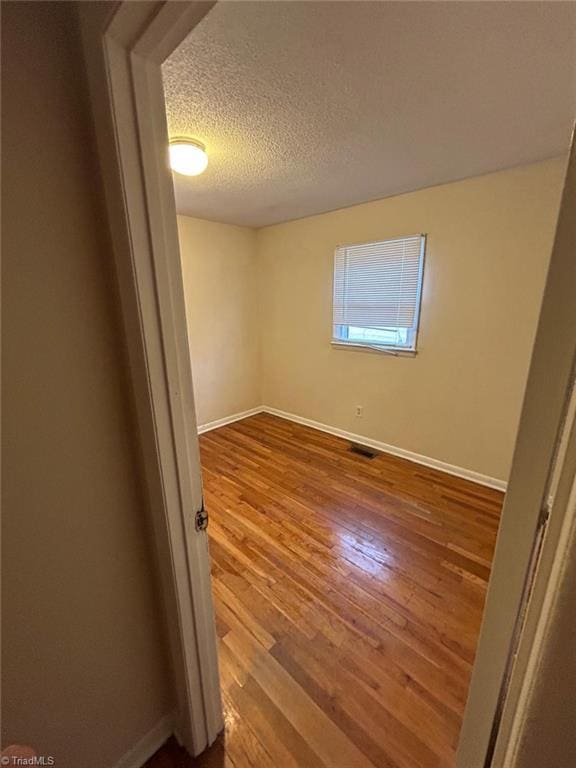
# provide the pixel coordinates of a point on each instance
(391, 349)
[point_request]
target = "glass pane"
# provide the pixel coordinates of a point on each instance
(397, 337)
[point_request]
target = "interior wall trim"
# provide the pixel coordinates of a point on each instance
(148, 744)
(427, 461)
(417, 458)
(229, 419)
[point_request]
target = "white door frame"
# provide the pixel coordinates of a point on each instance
(526, 564)
(124, 45)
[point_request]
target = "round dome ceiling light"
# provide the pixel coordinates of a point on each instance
(188, 157)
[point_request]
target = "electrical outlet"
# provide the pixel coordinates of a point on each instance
(359, 411)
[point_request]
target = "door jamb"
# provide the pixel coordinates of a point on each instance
(508, 623)
(124, 45)
(540, 613)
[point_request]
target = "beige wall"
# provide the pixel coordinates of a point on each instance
(458, 400)
(220, 290)
(84, 669)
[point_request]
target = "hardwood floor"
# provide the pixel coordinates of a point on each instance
(348, 594)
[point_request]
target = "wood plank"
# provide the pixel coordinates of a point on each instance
(321, 734)
(349, 594)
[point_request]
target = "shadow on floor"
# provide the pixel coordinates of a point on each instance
(171, 755)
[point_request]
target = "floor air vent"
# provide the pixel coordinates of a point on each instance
(363, 450)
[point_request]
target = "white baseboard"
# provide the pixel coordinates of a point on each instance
(228, 420)
(426, 461)
(148, 744)
(451, 469)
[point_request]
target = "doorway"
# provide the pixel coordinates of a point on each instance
(164, 280)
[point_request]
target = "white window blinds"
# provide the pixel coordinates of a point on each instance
(377, 288)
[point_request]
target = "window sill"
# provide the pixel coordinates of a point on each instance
(358, 346)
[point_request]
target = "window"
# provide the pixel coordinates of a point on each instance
(377, 293)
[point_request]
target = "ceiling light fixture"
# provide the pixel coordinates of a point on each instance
(188, 157)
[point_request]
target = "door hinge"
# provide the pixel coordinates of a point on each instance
(544, 515)
(201, 521)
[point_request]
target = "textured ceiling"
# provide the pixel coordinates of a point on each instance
(306, 107)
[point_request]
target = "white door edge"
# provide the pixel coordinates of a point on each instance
(129, 116)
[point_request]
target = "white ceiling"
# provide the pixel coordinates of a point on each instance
(306, 107)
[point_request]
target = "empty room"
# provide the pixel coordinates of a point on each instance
(289, 384)
(367, 195)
